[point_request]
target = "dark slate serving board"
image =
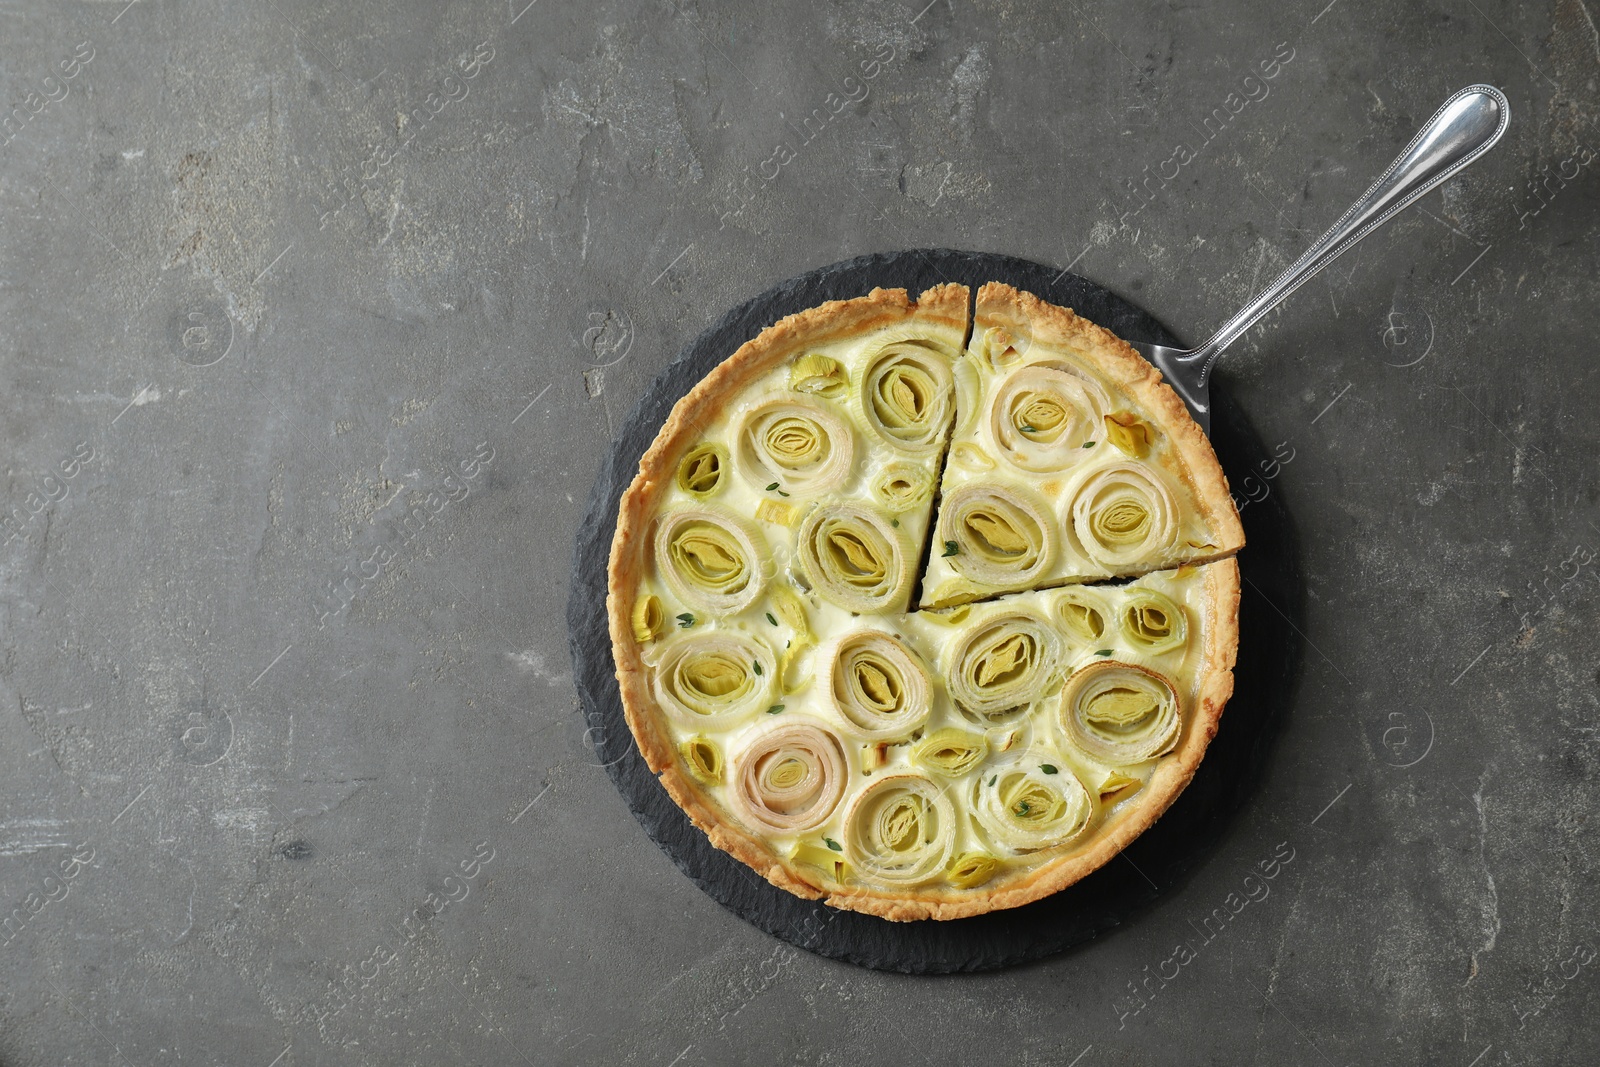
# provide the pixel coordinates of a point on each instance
(1156, 864)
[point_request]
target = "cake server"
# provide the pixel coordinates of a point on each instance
(1466, 127)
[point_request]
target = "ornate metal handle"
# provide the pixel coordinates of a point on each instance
(1468, 125)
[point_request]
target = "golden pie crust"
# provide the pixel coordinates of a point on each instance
(1208, 667)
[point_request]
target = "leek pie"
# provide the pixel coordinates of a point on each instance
(926, 607)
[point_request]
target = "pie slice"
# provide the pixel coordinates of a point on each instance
(808, 458)
(922, 763)
(1071, 461)
(1066, 722)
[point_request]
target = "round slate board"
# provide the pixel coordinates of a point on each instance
(1156, 863)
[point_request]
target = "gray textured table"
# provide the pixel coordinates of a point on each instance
(318, 318)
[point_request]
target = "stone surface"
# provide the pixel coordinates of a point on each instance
(293, 305)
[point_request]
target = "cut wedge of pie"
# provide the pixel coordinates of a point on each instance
(1072, 461)
(922, 619)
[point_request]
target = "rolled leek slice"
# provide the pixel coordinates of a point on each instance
(1083, 614)
(798, 443)
(1028, 808)
(712, 679)
(1044, 414)
(703, 757)
(855, 559)
(1120, 713)
(710, 559)
(818, 375)
(1002, 665)
(1152, 623)
(1129, 433)
(787, 604)
(1002, 537)
(906, 394)
(791, 778)
(700, 472)
(880, 685)
(1123, 515)
(950, 752)
(900, 831)
(902, 486)
(971, 869)
(649, 618)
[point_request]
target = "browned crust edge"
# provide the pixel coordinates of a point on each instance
(944, 304)
(1116, 359)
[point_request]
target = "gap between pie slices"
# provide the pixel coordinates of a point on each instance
(1028, 720)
